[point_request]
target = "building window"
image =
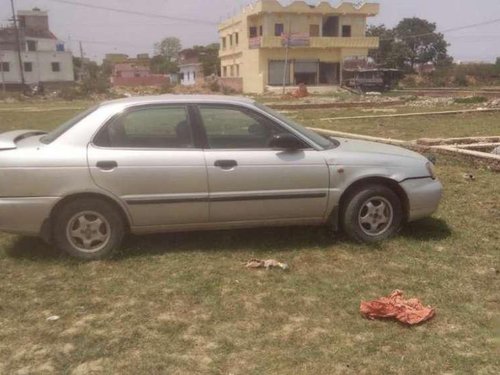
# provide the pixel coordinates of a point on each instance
(236, 38)
(224, 71)
(28, 67)
(232, 70)
(237, 70)
(224, 43)
(56, 67)
(260, 30)
(278, 29)
(231, 40)
(5, 67)
(31, 45)
(313, 30)
(346, 31)
(253, 32)
(194, 76)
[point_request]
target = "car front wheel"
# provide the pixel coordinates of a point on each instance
(372, 214)
(88, 229)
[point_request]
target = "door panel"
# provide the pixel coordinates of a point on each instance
(248, 180)
(267, 184)
(160, 187)
(147, 158)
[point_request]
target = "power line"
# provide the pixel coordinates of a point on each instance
(472, 26)
(136, 13)
(448, 30)
(107, 43)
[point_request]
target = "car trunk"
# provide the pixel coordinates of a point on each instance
(9, 140)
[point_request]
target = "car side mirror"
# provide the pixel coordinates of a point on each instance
(287, 142)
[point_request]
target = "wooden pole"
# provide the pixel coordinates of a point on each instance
(18, 40)
(82, 63)
(2, 73)
(287, 44)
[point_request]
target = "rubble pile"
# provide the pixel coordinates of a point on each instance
(427, 101)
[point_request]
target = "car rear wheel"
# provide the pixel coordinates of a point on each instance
(372, 214)
(88, 229)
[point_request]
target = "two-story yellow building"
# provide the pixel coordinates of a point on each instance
(313, 40)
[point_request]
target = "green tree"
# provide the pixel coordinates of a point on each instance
(209, 57)
(423, 43)
(169, 48)
(77, 67)
(167, 55)
(391, 53)
(160, 65)
(386, 37)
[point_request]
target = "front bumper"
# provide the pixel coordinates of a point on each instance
(424, 195)
(25, 215)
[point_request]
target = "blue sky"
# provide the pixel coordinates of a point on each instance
(104, 31)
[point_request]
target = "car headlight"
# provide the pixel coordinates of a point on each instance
(432, 170)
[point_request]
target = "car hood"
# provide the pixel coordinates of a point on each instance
(368, 147)
(378, 159)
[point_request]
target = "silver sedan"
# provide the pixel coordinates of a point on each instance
(177, 163)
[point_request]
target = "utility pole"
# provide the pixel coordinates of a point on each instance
(18, 41)
(82, 63)
(1, 72)
(288, 37)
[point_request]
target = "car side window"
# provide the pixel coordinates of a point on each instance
(237, 128)
(154, 127)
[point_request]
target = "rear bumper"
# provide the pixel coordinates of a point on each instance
(25, 215)
(424, 195)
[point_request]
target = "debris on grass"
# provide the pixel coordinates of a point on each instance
(409, 311)
(53, 318)
(469, 177)
(267, 264)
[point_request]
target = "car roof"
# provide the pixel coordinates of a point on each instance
(169, 98)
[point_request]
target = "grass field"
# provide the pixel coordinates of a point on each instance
(408, 128)
(184, 303)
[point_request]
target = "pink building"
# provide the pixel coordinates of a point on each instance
(127, 74)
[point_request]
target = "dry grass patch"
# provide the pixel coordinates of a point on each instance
(184, 303)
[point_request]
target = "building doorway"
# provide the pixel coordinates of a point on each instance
(329, 73)
(277, 72)
(306, 72)
(331, 26)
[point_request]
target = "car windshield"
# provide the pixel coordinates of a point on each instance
(61, 129)
(320, 140)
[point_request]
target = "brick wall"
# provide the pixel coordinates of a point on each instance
(152, 80)
(235, 84)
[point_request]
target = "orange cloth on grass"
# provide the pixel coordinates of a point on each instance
(409, 311)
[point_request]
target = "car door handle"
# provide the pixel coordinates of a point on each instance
(107, 165)
(226, 164)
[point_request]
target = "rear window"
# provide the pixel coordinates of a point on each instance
(61, 129)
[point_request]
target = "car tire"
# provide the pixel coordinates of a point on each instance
(88, 229)
(372, 214)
